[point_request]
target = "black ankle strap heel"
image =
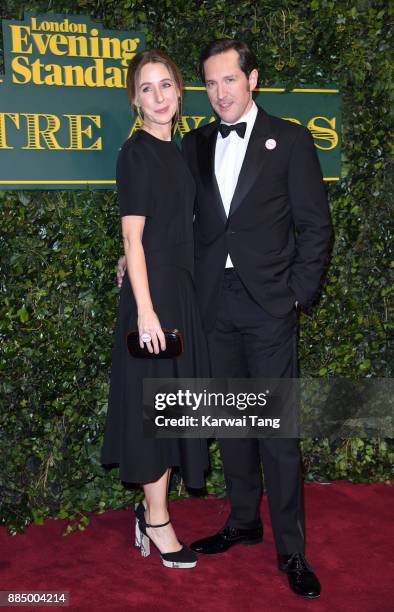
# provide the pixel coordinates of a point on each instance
(182, 559)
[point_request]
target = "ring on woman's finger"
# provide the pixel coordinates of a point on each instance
(146, 338)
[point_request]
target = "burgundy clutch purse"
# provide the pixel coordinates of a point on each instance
(174, 345)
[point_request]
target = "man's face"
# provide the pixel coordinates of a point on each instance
(229, 89)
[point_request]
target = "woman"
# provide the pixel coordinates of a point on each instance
(156, 195)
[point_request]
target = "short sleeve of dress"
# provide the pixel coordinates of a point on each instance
(133, 182)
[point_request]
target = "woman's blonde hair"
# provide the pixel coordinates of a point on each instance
(153, 56)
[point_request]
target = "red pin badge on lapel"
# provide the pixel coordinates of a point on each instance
(270, 144)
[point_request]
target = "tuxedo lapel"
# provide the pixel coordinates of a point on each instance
(255, 157)
(206, 160)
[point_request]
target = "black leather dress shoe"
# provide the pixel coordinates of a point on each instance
(226, 538)
(302, 579)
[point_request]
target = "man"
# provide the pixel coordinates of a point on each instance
(258, 183)
(262, 230)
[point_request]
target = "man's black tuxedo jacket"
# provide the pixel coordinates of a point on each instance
(278, 229)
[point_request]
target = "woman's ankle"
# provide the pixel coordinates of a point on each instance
(156, 516)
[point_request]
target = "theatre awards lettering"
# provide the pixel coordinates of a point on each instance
(64, 111)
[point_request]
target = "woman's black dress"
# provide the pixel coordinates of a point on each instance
(153, 180)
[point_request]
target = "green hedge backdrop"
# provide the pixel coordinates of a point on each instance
(59, 252)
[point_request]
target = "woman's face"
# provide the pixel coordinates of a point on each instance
(157, 94)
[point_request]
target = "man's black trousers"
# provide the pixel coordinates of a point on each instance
(247, 342)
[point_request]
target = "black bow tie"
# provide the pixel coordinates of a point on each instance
(240, 128)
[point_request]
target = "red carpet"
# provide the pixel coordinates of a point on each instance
(350, 545)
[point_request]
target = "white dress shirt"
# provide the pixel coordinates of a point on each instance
(229, 157)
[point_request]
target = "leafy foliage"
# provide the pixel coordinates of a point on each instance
(59, 251)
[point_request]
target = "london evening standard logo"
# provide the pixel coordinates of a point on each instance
(68, 52)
